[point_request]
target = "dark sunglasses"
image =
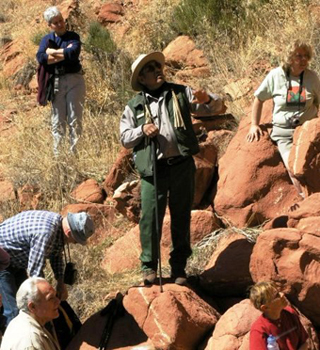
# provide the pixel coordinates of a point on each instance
(151, 67)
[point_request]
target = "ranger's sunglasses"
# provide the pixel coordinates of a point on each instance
(151, 67)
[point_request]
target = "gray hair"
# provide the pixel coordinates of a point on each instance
(28, 291)
(50, 13)
(291, 50)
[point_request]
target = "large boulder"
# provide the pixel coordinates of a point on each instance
(125, 333)
(292, 259)
(304, 159)
(306, 216)
(232, 330)
(89, 191)
(124, 253)
(253, 183)
(227, 273)
(174, 319)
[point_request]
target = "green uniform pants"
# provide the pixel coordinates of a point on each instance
(175, 186)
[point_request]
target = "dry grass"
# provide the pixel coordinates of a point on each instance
(26, 156)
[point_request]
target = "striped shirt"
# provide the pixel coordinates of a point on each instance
(30, 238)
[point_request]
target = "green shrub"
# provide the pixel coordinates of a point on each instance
(99, 39)
(192, 16)
(36, 38)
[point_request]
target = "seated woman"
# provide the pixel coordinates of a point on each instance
(295, 91)
(277, 319)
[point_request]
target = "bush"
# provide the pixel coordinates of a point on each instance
(36, 38)
(223, 15)
(99, 39)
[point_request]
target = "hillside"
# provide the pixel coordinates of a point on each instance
(226, 47)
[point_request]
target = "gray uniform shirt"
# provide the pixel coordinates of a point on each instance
(131, 134)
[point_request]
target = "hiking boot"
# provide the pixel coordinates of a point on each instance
(149, 277)
(181, 281)
(179, 277)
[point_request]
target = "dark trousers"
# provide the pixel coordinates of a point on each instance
(10, 281)
(175, 187)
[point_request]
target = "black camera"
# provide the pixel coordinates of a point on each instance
(70, 274)
(294, 120)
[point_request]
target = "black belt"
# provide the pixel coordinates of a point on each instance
(171, 160)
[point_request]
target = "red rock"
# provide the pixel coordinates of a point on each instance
(12, 58)
(29, 197)
(203, 177)
(125, 334)
(120, 170)
(124, 253)
(227, 273)
(182, 52)
(110, 13)
(174, 319)
(128, 200)
(89, 191)
(304, 159)
(232, 330)
(290, 258)
(68, 8)
(7, 191)
(253, 183)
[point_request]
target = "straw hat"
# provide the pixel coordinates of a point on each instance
(139, 63)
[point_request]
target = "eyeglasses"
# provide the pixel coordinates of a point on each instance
(300, 57)
(151, 67)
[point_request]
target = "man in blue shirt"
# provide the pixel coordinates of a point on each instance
(30, 238)
(59, 55)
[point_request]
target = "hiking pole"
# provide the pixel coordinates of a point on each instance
(155, 184)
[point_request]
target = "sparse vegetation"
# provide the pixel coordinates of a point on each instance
(235, 36)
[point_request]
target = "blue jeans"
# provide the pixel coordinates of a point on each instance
(9, 283)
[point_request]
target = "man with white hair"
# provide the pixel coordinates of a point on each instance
(161, 111)
(38, 304)
(30, 238)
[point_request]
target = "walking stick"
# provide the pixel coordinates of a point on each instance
(155, 184)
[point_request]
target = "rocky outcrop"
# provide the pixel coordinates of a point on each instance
(227, 273)
(290, 258)
(182, 54)
(111, 12)
(304, 160)
(89, 191)
(232, 330)
(181, 324)
(124, 253)
(253, 186)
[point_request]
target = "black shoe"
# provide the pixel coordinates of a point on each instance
(149, 277)
(179, 277)
(181, 281)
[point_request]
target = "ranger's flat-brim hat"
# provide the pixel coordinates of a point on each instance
(139, 63)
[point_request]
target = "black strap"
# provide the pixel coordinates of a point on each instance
(64, 249)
